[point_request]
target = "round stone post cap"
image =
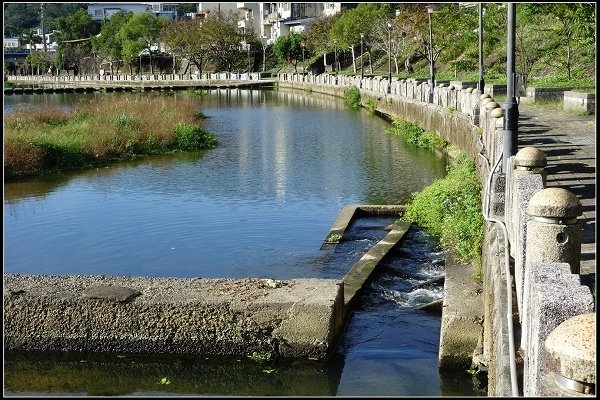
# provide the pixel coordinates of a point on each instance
(572, 345)
(497, 112)
(554, 203)
(485, 96)
(531, 157)
(490, 105)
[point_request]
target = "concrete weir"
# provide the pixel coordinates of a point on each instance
(288, 318)
(295, 318)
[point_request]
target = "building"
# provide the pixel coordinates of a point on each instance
(103, 11)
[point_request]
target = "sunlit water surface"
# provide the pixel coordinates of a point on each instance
(259, 205)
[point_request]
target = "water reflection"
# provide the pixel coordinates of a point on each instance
(265, 198)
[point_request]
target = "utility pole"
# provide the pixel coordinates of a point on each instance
(42, 23)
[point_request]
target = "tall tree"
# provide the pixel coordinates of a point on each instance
(139, 34)
(225, 40)
(74, 36)
(108, 44)
(288, 49)
(347, 29)
(187, 38)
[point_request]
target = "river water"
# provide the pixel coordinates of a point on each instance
(259, 205)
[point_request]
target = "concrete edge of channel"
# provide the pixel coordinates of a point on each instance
(461, 330)
(290, 318)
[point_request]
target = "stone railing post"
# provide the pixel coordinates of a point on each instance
(553, 235)
(522, 184)
(571, 358)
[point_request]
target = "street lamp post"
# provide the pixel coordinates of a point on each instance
(335, 62)
(481, 85)
(389, 84)
(362, 64)
(432, 61)
(249, 64)
(511, 113)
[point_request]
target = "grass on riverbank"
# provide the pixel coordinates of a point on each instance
(49, 139)
(450, 208)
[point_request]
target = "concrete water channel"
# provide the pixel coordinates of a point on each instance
(329, 378)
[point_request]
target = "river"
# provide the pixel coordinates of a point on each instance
(258, 205)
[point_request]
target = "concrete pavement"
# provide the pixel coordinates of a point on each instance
(569, 142)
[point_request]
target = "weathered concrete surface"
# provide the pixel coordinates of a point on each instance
(461, 329)
(295, 318)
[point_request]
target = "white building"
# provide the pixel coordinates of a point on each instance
(103, 11)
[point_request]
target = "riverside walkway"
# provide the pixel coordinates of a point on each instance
(569, 142)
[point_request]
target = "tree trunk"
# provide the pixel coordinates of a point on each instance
(353, 58)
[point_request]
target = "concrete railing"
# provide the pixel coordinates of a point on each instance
(254, 76)
(544, 236)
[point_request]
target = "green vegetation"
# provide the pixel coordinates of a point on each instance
(333, 238)
(371, 105)
(451, 209)
(260, 357)
(555, 42)
(416, 135)
(48, 139)
(352, 97)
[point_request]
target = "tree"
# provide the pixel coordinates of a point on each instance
(187, 38)
(74, 36)
(108, 44)
(347, 29)
(288, 49)
(138, 34)
(225, 40)
(571, 30)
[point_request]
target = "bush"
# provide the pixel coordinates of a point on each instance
(193, 137)
(450, 208)
(352, 97)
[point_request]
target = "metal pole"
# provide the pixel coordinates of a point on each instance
(481, 85)
(362, 64)
(389, 85)
(511, 108)
(264, 57)
(432, 64)
(335, 59)
(303, 66)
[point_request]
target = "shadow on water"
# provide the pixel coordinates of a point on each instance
(389, 347)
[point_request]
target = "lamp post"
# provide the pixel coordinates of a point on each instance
(511, 114)
(362, 64)
(389, 84)
(303, 67)
(481, 84)
(432, 61)
(335, 59)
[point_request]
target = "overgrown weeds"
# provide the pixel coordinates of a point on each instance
(352, 97)
(49, 139)
(450, 208)
(416, 135)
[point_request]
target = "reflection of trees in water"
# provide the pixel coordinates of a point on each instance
(135, 374)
